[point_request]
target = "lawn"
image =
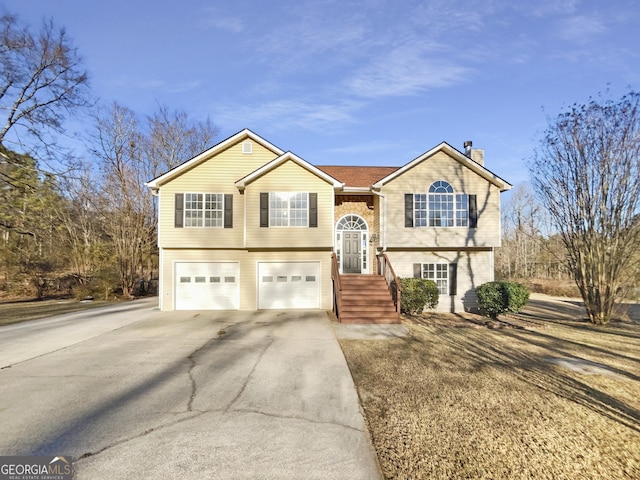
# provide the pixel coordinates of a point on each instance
(544, 395)
(24, 310)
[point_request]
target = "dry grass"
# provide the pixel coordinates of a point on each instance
(22, 311)
(500, 402)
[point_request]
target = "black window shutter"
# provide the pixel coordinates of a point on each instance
(473, 211)
(313, 210)
(453, 279)
(408, 209)
(264, 209)
(228, 210)
(417, 270)
(179, 211)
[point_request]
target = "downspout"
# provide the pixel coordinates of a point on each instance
(383, 220)
(156, 193)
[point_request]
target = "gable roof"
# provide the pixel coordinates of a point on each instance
(201, 157)
(285, 157)
(359, 177)
(456, 155)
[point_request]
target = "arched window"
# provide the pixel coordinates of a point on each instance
(447, 209)
(352, 222)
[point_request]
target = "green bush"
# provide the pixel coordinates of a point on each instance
(495, 298)
(418, 293)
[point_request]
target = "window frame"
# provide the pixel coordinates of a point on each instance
(455, 207)
(300, 214)
(442, 282)
(188, 222)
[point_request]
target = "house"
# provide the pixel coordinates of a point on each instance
(246, 225)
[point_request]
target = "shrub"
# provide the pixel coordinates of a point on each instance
(418, 293)
(495, 298)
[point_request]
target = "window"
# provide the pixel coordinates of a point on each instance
(420, 215)
(288, 209)
(439, 273)
(203, 209)
(441, 207)
(247, 147)
(441, 211)
(462, 210)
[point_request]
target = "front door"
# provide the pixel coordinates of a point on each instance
(351, 252)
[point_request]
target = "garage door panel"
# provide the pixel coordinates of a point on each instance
(207, 286)
(283, 285)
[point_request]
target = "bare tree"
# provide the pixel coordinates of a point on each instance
(79, 220)
(173, 138)
(124, 203)
(521, 232)
(128, 154)
(41, 80)
(587, 173)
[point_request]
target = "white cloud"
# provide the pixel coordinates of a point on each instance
(184, 86)
(156, 84)
(283, 114)
(362, 148)
(213, 18)
(581, 28)
(544, 8)
(406, 70)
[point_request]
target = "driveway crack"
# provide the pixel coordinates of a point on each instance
(193, 364)
(140, 435)
(246, 380)
(296, 417)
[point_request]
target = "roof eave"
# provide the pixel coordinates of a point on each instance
(243, 182)
(157, 182)
(461, 157)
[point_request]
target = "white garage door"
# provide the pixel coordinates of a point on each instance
(207, 286)
(288, 285)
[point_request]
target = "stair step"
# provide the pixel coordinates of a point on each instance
(345, 307)
(368, 319)
(366, 299)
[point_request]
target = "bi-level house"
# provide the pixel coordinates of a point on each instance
(246, 225)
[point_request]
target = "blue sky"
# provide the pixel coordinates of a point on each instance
(342, 82)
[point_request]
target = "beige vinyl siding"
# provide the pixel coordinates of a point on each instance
(474, 268)
(463, 180)
(289, 177)
(248, 271)
(214, 175)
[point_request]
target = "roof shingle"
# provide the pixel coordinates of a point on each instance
(357, 176)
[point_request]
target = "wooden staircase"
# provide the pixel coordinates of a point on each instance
(366, 299)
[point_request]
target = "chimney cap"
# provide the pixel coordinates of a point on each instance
(468, 143)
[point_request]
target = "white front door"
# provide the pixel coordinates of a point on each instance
(283, 285)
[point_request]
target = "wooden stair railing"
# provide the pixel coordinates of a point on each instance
(386, 270)
(337, 287)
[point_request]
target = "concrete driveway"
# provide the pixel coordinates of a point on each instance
(139, 393)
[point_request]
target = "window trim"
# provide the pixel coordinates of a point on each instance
(445, 289)
(290, 209)
(422, 217)
(224, 199)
